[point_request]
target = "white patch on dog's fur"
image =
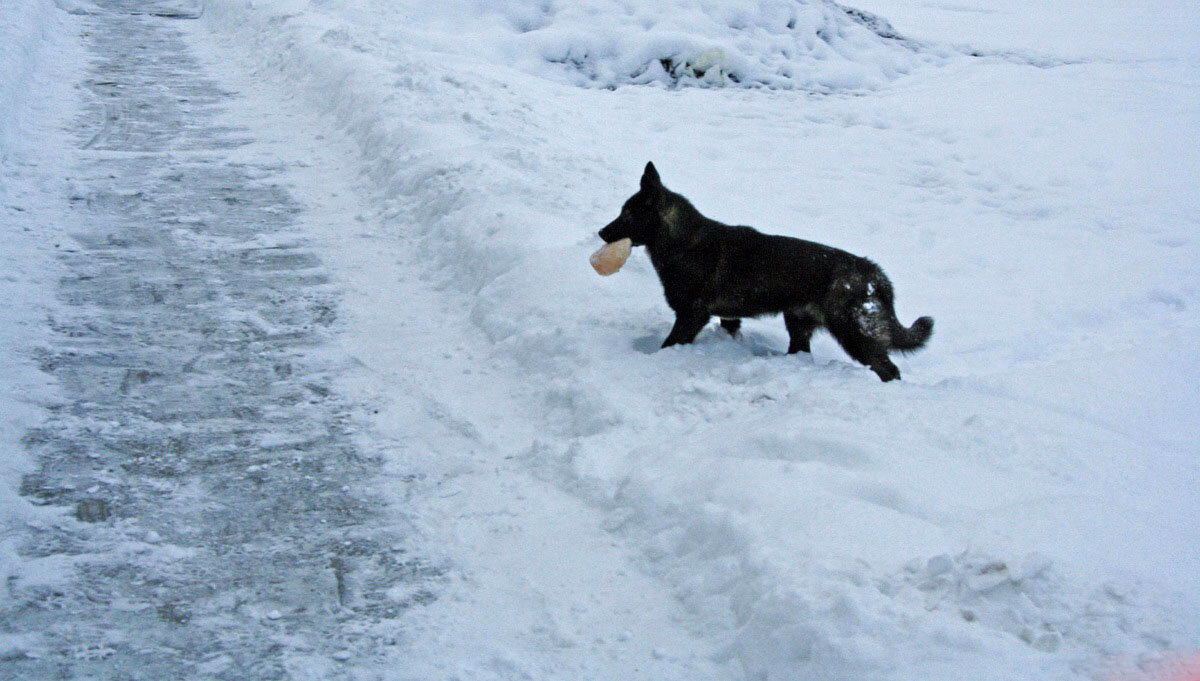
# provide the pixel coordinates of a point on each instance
(874, 323)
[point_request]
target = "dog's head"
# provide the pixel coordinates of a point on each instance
(641, 217)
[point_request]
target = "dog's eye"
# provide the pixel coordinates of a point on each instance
(625, 212)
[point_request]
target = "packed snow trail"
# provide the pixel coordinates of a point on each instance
(224, 522)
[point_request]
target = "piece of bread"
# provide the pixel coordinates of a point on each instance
(611, 257)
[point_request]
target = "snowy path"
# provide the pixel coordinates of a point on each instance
(228, 527)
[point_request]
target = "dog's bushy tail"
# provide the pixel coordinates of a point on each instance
(914, 337)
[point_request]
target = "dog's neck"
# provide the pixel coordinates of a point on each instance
(681, 228)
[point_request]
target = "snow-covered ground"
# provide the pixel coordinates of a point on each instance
(38, 60)
(1023, 505)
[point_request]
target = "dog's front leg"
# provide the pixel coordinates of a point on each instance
(687, 325)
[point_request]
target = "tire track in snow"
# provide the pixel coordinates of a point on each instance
(224, 524)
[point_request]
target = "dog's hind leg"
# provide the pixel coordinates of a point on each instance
(864, 349)
(800, 326)
(687, 326)
(732, 325)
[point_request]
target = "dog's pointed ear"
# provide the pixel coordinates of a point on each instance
(650, 179)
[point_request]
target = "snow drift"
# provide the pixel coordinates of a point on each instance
(803, 44)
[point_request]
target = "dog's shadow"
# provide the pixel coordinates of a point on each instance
(647, 345)
(754, 344)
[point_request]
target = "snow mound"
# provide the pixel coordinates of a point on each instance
(785, 44)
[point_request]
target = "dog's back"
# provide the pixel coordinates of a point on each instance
(758, 274)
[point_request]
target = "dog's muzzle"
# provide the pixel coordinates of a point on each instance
(607, 234)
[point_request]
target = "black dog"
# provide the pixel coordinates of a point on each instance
(708, 268)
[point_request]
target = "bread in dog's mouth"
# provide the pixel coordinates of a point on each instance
(611, 257)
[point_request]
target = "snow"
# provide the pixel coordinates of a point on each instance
(782, 501)
(1021, 506)
(32, 92)
(23, 31)
(810, 45)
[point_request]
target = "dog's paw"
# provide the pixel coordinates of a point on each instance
(887, 372)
